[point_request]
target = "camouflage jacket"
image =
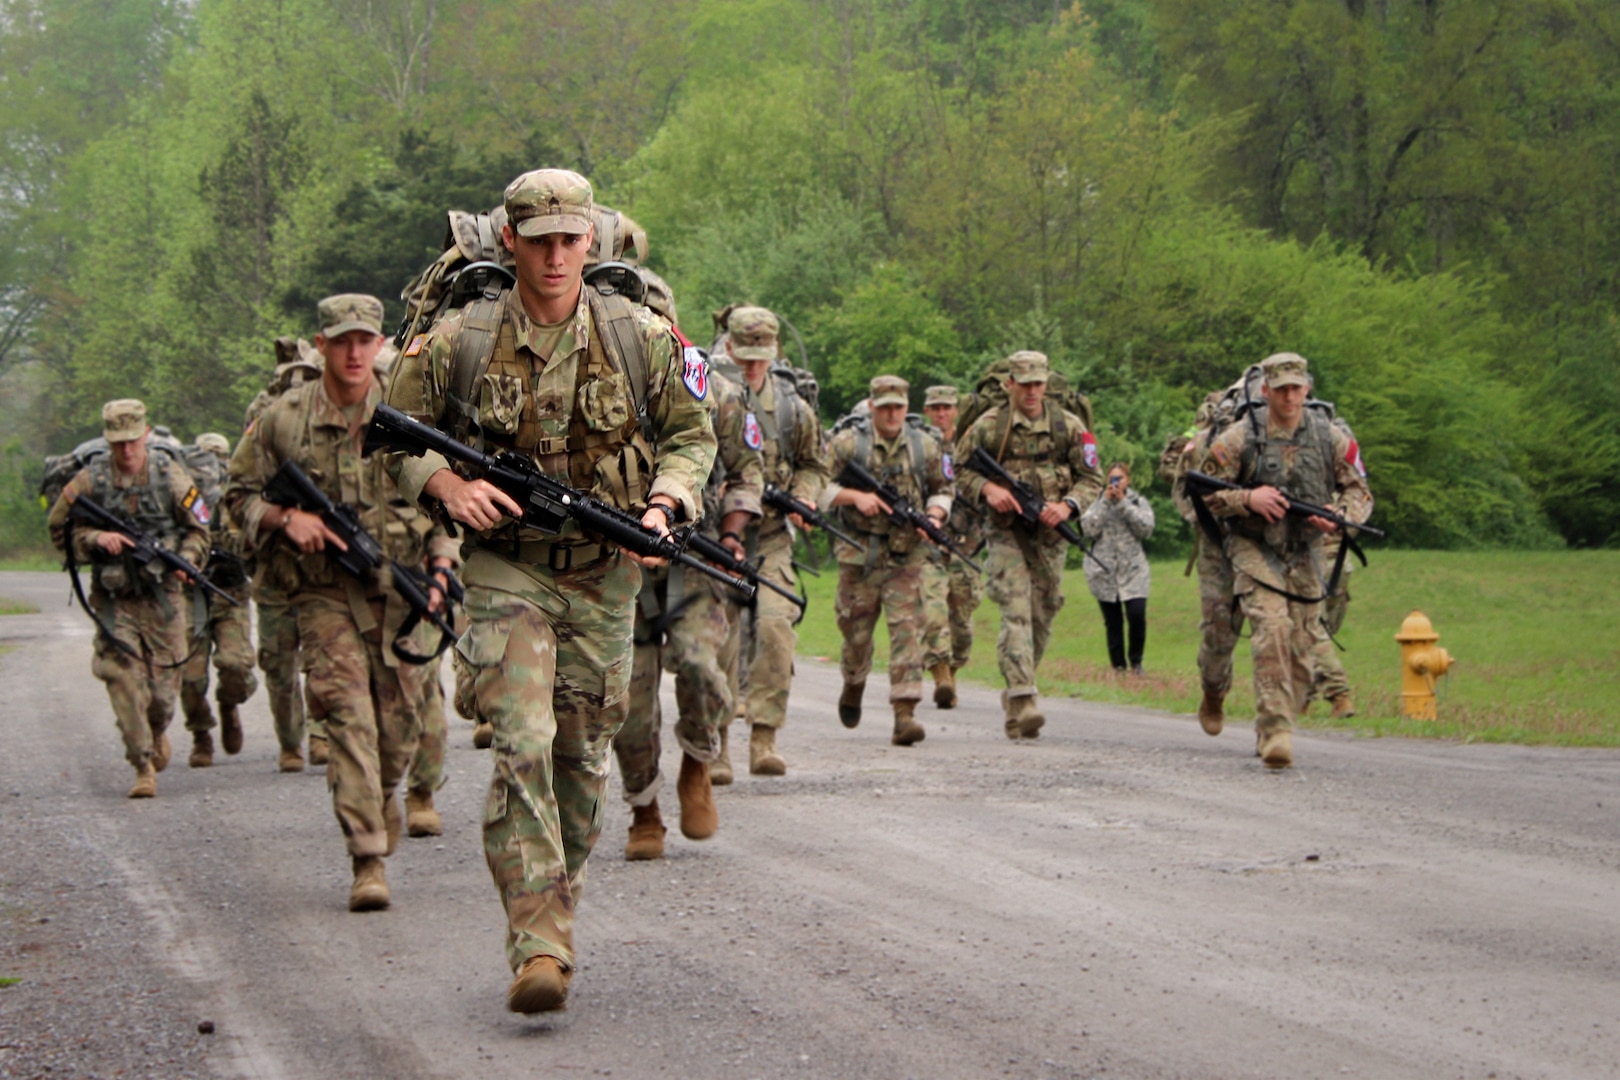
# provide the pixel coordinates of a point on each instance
(1068, 473)
(737, 480)
(891, 461)
(164, 503)
(804, 474)
(1118, 527)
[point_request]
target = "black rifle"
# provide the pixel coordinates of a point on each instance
(901, 512)
(92, 513)
(292, 487)
(226, 569)
(714, 551)
(547, 504)
(781, 501)
(1030, 503)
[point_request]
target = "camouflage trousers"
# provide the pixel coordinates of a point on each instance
(895, 591)
(951, 594)
(1220, 619)
(1330, 681)
(281, 662)
(371, 721)
(770, 667)
(1284, 638)
(550, 657)
(230, 644)
(1024, 575)
(142, 688)
(700, 650)
(427, 767)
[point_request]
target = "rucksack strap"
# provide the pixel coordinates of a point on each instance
(621, 339)
(469, 360)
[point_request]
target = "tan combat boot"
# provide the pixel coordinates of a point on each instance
(646, 833)
(230, 729)
(1024, 719)
(541, 985)
(319, 750)
(944, 686)
(291, 761)
(720, 773)
(763, 760)
(1277, 750)
(145, 783)
(421, 818)
(906, 729)
(1211, 714)
(849, 704)
(370, 889)
(699, 818)
(483, 735)
(202, 750)
(160, 751)
(1343, 707)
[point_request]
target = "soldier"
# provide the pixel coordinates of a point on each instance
(791, 445)
(888, 577)
(225, 632)
(345, 625)
(951, 590)
(1051, 450)
(1277, 558)
(427, 766)
(1329, 681)
(140, 631)
(587, 384)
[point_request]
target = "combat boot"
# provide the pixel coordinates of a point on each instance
(202, 750)
(160, 751)
(1030, 717)
(421, 819)
(145, 782)
(541, 985)
(483, 735)
(1277, 750)
(319, 750)
(291, 761)
(1211, 715)
(763, 760)
(230, 729)
(370, 889)
(906, 729)
(944, 686)
(849, 704)
(720, 773)
(1343, 707)
(646, 833)
(393, 822)
(699, 818)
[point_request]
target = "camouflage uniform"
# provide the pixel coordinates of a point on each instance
(887, 578)
(1310, 462)
(952, 591)
(427, 767)
(344, 625)
(137, 606)
(1025, 566)
(549, 643)
(1330, 681)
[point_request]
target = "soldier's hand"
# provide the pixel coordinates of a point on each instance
(1323, 524)
(999, 498)
(114, 543)
(799, 522)
(437, 589)
(733, 545)
(309, 533)
(656, 520)
(478, 504)
(1054, 514)
(868, 503)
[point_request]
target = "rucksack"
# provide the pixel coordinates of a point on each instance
(803, 380)
(60, 468)
(991, 392)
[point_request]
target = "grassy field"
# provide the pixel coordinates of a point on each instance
(1536, 636)
(17, 607)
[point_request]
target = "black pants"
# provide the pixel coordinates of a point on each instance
(1115, 614)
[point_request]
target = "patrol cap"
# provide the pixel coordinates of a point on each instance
(1285, 369)
(939, 395)
(214, 443)
(752, 334)
(123, 420)
(1028, 366)
(890, 390)
(549, 201)
(350, 311)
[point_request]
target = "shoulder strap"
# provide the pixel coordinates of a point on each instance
(469, 360)
(919, 459)
(787, 412)
(863, 445)
(1060, 433)
(615, 321)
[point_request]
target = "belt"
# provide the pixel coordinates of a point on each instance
(559, 558)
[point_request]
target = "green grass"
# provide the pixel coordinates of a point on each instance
(31, 560)
(8, 981)
(17, 607)
(1536, 637)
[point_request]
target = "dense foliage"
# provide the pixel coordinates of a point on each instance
(1422, 196)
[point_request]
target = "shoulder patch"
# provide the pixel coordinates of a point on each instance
(1353, 456)
(1088, 448)
(1218, 452)
(945, 464)
(194, 502)
(696, 372)
(415, 347)
(753, 435)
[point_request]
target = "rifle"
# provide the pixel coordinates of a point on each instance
(226, 569)
(146, 549)
(547, 504)
(1030, 503)
(786, 504)
(292, 487)
(715, 552)
(901, 512)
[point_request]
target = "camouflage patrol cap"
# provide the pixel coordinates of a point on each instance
(123, 420)
(1285, 369)
(549, 201)
(214, 443)
(752, 334)
(939, 395)
(1028, 366)
(350, 311)
(890, 390)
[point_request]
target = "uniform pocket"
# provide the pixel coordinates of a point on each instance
(605, 403)
(484, 643)
(500, 402)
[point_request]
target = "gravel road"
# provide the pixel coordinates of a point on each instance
(1126, 898)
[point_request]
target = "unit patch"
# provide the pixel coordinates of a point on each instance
(1088, 443)
(945, 463)
(753, 436)
(696, 374)
(1353, 456)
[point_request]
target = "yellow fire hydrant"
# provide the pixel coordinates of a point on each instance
(1422, 662)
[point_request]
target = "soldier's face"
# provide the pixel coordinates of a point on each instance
(1027, 396)
(349, 357)
(942, 417)
(1287, 402)
(129, 456)
(754, 373)
(887, 420)
(549, 266)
